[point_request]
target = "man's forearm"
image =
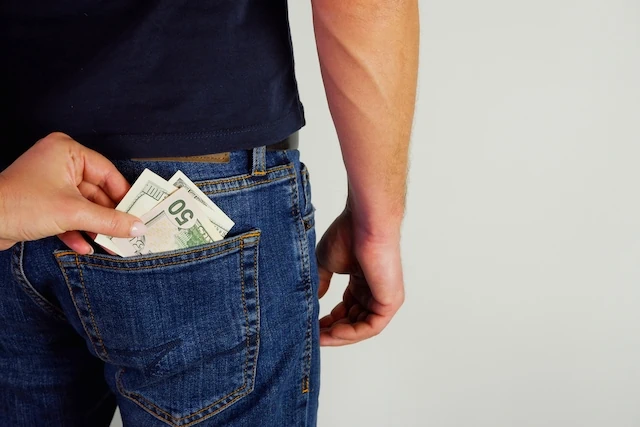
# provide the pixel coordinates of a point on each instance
(368, 53)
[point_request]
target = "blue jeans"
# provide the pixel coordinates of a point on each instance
(224, 334)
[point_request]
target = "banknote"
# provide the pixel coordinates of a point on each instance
(148, 190)
(178, 222)
(219, 219)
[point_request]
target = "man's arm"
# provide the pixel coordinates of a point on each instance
(368, 53)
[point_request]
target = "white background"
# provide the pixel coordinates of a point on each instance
(522, 237)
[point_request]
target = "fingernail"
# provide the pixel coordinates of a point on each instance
(91, 250)
(138, 229)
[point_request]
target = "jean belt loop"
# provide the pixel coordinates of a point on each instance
(259, 161)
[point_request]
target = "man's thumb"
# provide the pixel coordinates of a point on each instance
(94, 218)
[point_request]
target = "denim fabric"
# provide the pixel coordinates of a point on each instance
(223, 334)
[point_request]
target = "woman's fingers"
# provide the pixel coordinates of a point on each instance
(75, 242)
(95, 194)
(99, 171)
(92, 217)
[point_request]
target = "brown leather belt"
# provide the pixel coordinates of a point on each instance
(289, 143)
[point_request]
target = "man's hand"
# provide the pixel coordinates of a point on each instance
(368, 52)
(58, 186)
(376, 289)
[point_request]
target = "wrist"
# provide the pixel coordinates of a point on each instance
(376, 221)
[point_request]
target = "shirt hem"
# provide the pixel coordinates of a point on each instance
(128, 146)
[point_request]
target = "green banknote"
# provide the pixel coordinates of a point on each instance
(148, 190)
(178, 222)
(219, 219)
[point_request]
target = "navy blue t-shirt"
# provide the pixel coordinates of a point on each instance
(135, 78)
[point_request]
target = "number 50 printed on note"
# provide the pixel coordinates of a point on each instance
(178, 222)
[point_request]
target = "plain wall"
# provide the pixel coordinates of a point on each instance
(522, 237)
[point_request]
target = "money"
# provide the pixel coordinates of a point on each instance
(148, 190)
(178, 222)
(217, 217)
(147, 195)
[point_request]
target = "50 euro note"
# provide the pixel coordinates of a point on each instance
(178, 222)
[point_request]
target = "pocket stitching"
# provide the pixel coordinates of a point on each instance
(163, 415)
(142, 402)
(214, 245)
(78, 263)
(145, 267)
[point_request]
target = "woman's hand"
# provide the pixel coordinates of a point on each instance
(57, 187)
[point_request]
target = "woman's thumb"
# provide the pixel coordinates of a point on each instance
(94, 218)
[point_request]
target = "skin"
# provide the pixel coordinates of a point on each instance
(59, 186)
(368, 52)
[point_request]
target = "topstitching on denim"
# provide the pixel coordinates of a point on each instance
(303, 243)
(17, 268)
(245, 244)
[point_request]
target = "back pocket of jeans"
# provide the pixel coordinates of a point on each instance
(182, 327)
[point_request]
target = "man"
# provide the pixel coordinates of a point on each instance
(225, 333)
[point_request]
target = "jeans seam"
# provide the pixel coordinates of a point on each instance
(253, 184)
(244, 176)
(27, 287)
(75, 304)
(93, 319)
(306, 276)
(256, 286)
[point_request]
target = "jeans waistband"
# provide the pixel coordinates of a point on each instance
(253, 162)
